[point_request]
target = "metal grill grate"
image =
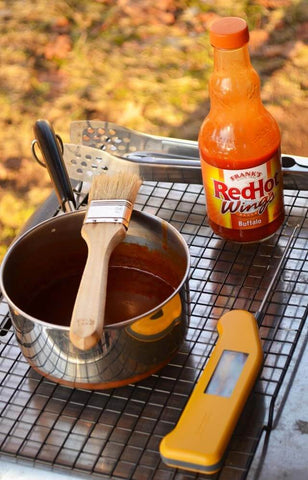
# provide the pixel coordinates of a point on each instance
(116, 434)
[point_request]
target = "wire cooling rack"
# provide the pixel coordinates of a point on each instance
(116, 433)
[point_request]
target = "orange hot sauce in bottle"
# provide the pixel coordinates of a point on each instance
(239, 143)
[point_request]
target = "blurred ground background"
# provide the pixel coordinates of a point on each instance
(139, 63)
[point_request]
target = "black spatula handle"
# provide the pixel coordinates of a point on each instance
(50, 147)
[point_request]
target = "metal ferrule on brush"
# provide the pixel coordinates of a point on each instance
(109, 211)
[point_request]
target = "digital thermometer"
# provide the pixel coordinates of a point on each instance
(199, 440)
(203, 431)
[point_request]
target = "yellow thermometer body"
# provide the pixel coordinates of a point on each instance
(200, 438)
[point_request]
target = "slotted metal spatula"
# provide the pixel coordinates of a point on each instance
(83, 162)
(123, 141)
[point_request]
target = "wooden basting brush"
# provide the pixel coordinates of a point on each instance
(111, 202)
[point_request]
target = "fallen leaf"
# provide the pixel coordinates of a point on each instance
(58, 47)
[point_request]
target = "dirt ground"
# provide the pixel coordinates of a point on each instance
(140, 64)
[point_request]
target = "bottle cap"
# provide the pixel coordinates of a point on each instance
(229, 33)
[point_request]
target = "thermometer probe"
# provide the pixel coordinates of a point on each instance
(201, 436)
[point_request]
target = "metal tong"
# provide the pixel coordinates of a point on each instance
(97, 146)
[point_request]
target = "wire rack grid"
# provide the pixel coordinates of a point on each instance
(116, 433)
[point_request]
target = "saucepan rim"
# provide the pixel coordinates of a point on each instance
(109, 326)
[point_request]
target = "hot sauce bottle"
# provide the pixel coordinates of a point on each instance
(239, 143)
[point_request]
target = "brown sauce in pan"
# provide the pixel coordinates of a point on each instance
(130, 292)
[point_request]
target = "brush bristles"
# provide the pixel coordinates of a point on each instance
(119, 185)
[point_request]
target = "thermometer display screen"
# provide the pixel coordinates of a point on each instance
(227, 373)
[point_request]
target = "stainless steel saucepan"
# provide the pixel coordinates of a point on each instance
(147, 307)
(39, 278)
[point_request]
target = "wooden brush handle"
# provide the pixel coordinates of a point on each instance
(87, 320)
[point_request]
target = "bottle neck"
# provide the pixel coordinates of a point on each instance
(231, 60)
(234, 83)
